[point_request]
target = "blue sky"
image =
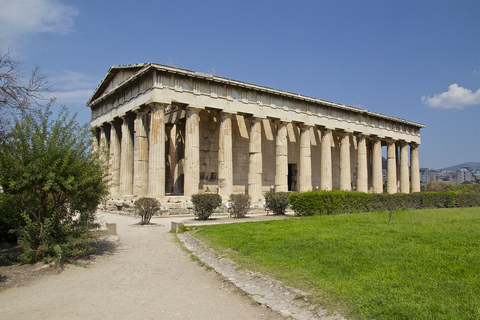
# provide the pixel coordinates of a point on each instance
(416, 60)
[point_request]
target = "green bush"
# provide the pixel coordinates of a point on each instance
(277, 202)
(240, 204)
(205, 204)
(47, 167)
(335, 202)
(10, 220)
(146, 208)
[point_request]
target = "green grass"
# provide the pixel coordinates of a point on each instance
(424, 265)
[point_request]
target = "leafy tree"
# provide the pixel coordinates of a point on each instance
(47, 166)
(438, 186)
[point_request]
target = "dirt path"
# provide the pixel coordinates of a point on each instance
(147, 277)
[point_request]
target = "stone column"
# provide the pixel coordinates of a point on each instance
(305, 159)
(414, 168)
(391, 167)
(95, 141)
(115, 154)
(156, 159)
(404, 181)
(362, 172)
(126, 158)
(326, 161)
(345, 175)
(255, 160)
(192, 152)
(140, 170)
(225, 157)
(103, 143)
(281, 158)
(377, 176)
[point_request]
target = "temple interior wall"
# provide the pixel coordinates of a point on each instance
(240, 137)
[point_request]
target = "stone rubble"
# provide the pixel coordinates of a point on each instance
(290, 303)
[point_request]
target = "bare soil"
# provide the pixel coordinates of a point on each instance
(147, 276)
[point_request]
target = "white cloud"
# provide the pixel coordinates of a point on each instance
(26, 17)
(455, 98)
(74, 97)
(72, 87)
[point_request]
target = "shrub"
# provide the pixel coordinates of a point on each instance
(205, 203)
(57, 184)
(335, 202)
(277, 202)
(10, 220)
(146, 208)
(240, 204)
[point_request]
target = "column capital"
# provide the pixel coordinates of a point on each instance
(193, 109)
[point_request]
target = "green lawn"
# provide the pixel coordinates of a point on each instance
(424, 265)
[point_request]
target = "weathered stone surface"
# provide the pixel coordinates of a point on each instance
(174, 132)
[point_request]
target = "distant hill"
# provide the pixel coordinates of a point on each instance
(471, 165)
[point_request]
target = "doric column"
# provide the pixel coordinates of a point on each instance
(377, 176)
(326, 160)
(156, 159)
(404, 181)
(192, 152)
(255, 160)
(95, 140)
(140, 170)
(103, 143)
(362, 173)
(305, 159)
(414, 167)
(225, 157)
(115, 154)
(281, 158)
(391, 167)
(345, 175)
(126, 159)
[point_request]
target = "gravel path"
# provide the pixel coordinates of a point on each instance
(147, 277)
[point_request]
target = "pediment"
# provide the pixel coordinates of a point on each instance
(115, 77)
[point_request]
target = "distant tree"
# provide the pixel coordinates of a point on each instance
(57, 183)
(438, 186)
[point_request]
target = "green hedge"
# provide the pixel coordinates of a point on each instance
(336, 202)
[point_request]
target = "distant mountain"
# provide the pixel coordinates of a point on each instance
(471, 165)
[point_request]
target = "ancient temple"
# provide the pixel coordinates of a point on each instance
(171, 133)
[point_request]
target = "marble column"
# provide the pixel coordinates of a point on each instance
(281, 158)
(391, 167)
(255, 160)
(326, 160)
(115, 155)
(192, 152)
(414, 168)
(103, 143)
(140, 170)
(126, 158)
(404, 175)
(156, 159)
(305, 169)
(377, 174)
(345, 174)
(225, 157)
(95, 140)
(362, 172)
